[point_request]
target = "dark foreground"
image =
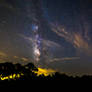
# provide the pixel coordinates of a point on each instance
(29, 78)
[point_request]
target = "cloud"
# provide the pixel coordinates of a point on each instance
(65, 59)
(3, 57)
(21, 60)
(47, 43)
(24, 59)
(2, 54)
(13, 59)
(78, 41)
(60, 31)
(81, 44)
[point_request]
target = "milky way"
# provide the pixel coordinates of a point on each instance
(37, 43)
(54, 34)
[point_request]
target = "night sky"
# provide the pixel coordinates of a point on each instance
(55, 34)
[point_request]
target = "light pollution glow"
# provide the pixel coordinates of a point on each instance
(12, 76)
(45, 72)
(41, 71)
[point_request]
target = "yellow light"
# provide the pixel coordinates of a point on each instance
(45, 72)
(13, 76)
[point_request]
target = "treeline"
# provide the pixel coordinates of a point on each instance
(7, 69)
